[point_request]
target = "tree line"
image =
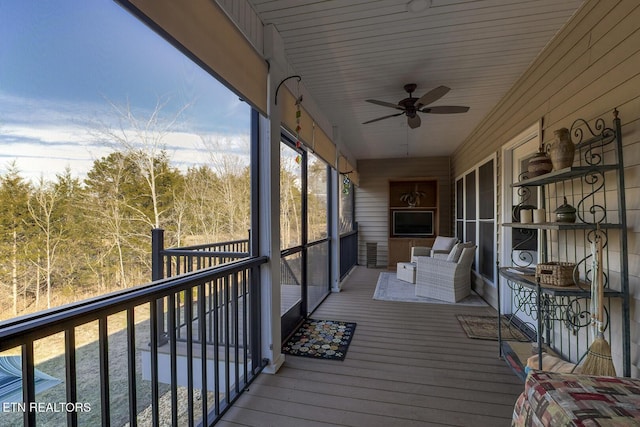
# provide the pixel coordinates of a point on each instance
(69, 238)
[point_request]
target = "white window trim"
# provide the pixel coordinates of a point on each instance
(475, 168)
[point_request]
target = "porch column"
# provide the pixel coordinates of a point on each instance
(269, 214)
(334, 217)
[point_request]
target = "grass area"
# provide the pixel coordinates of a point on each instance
(49, 358)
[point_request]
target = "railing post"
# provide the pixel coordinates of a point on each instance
(157, 249)
(157, 273)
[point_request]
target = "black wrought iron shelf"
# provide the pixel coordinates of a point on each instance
(559, 314)
(564, 174)
(561, 225)
(580, 290)
(607, 136)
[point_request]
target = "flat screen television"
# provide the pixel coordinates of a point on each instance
(412, 223)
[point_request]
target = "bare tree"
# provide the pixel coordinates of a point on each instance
(42, 205)
(290, 201)
(232, 186)
(141, 136)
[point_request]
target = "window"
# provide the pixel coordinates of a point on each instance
(109, 131)
(486, 220)
(317, 201)
(475, 215)
(291, 167)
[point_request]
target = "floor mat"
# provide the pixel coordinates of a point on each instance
(320, 339)
(486, 328)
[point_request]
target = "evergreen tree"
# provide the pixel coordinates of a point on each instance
(14, 214)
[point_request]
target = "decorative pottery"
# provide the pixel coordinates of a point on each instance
(539, 164)
(565, 212)
(562, 149)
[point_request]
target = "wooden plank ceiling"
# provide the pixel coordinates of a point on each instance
(348, 51)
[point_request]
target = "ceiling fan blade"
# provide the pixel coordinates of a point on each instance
(414, 121)
(385, 104)
(445, 109)
(382, 118)
(432, 96)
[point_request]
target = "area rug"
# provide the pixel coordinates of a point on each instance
(486, 328)
(389, 288)
(321, 339)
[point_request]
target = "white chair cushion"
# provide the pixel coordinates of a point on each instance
(417, 251)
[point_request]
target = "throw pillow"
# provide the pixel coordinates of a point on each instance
(552, 364)
(444, 243)
(455, 253)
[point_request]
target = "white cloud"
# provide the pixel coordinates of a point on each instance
(53, 136)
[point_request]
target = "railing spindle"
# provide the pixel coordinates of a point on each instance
(203, 350)
(28, 383)
(131, 367)
(153, 332)
(70, 371)
(189, 320)
(236, 328)
(216, 354)
(227, 352)
(103, 347)
(174, 358)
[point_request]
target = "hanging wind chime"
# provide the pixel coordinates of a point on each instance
(346, 184)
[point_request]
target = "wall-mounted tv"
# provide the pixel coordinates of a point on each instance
(412, 223)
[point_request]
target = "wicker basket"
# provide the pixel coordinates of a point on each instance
(555, 273)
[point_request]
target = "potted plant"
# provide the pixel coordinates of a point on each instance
(412, 198)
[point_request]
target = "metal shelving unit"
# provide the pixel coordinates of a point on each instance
(560, 316)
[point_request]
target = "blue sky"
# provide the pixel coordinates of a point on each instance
(63, 61)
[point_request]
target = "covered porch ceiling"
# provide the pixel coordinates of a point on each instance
(347, 51)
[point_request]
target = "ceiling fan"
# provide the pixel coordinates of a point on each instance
(411, 106)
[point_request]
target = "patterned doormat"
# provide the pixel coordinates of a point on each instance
(486, 328)
(320, 339)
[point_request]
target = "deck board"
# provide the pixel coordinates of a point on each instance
(408, 364)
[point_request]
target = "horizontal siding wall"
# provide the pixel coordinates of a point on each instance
(247, 20)
(591, 67)
(372, 198)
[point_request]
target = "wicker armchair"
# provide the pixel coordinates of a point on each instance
(443, 279)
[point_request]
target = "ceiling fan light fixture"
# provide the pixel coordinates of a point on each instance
(410, 106)
(416, 6)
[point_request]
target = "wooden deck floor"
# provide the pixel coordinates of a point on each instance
(409, 364)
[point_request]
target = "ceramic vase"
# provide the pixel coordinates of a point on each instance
(565, 212)
(539, 164)
(562, 149)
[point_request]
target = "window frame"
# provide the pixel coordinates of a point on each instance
(468, 217)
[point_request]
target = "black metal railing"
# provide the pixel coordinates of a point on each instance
(348, 252)
(134, 376)
(175, 261)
